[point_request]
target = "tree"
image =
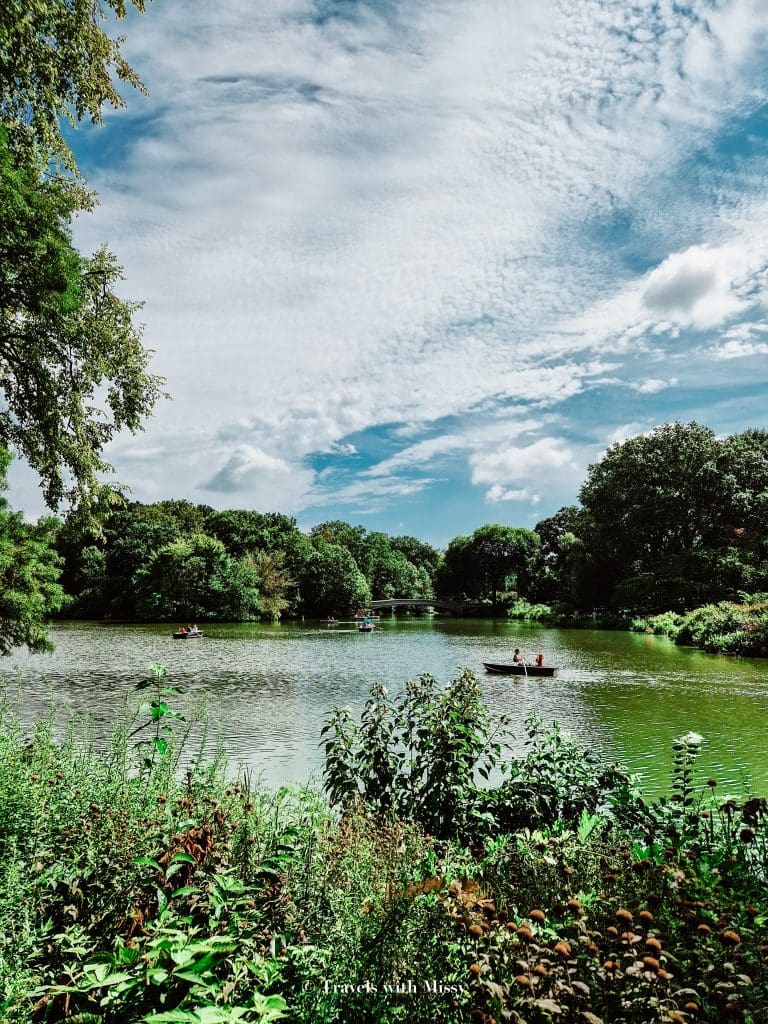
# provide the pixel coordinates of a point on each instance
(502, 552)
(459, 575)
(553, 577)
(244, 531)
(68, 346)
(332, 582)
(194, 578)
(274, 582)
(57, 63)
(421, 554)
(392, 575)
(676, 517)
(29, 576)
(493, 559)
(353, 538)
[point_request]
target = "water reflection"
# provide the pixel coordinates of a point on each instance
(269, 688)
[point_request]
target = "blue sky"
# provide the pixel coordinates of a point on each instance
(417, 263)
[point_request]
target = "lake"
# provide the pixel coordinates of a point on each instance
(269, 688)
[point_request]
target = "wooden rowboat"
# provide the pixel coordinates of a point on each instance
(520, 670)
(190, 634)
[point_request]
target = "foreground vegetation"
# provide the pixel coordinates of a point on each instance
(131, 890)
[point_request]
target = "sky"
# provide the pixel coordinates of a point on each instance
(416, 264)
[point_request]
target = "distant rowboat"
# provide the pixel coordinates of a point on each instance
(520, 670)
(187, 634)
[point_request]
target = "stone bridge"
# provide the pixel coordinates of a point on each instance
(455, 607)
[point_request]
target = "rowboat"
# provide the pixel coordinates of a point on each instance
(366, 627)
(520, 670)
(189, 634)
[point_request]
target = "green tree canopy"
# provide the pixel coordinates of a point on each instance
(194, 578)
(421, 554)
(29, 576)
(57, 62)
(332, 583)
(676, 517)
(72, 368)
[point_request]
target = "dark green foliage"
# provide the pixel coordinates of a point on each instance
(560, 566)
(29, 576)
(728, 627)
(557, 783)
(676, 518)
(129, 893)
(194, 578)
(108, 576)
(332, 583)
(493, 560)
(415, 757)
(65, 339)
(245, 532)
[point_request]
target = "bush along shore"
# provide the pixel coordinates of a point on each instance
(727, 627)
(413, 890)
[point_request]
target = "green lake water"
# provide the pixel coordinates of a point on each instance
(269, 688)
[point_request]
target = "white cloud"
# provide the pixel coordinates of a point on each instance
(698, 287)
(251, 471)
(734, 349)
(498, 493)
(652, 385)
(518, 463)
(742, 340)
(382, 216)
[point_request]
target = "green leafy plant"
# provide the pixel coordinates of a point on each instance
(416, 757)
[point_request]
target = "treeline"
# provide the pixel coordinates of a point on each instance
(667, 521)
(176, 560)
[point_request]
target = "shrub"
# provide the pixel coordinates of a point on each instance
(556, 783)
(415, 757)
(522, 609)
(727, 627)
